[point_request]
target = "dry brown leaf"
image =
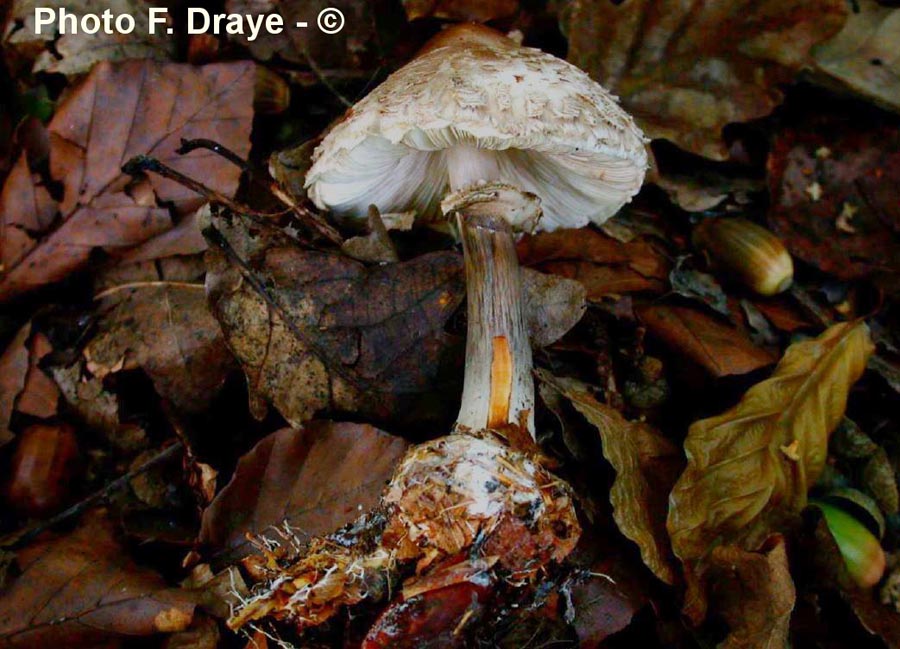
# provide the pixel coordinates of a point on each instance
(119, 111)
(14, 367)
(754, 593)
(40, 396)
(646, 465)
(719, 348)
(863, 56)
(76, 590)
(856, 179)
(317, 330)
(685, 70)
(749, 468)
(352, 49)
(478, 11)
(167, 330)
(603, 265)
(553, 305)
(317, 479)
(72, 54)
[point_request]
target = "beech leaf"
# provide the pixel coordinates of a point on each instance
(317, 479)
(646, 465)
(119, 111)
(686, 69)
(749, 468)
(79, 589)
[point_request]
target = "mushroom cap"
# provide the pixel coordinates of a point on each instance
(556, 132)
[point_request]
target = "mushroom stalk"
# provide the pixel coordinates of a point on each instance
(498, 388)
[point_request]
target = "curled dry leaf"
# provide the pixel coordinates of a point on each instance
(685, 70)
(850, 226)
(603, 265)
(317, 330)
(863, 56)
(119, 111)
(646, 465)
(14, 366)
(72, 54)
(749, 468)
(77, 590)
(719, 348)
(754, 593)
(167, 330)
(316, 479)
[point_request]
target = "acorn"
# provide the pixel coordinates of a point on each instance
(862, 553)
(748, 252)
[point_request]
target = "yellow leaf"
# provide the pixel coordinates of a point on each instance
(739, 485)
(646, 465)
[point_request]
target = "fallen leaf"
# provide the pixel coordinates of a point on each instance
(862, 169)
(603, 265)
(41, 469)
(167, 330)
(317, 330)
(739, 486)
(722, 350)
(478, 11)
(553, 305)
(754, 593)
(863, 56)
(76, 53)
(76, 590)
(697, 285)
(685, 70)
(316, 479)
(646, 465)
(39, 396)
(119, 111)
(354, 47)
(14, 367)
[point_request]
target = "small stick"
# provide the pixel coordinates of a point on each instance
(211, 145)
(95, 498)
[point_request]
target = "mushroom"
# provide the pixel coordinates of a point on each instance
(496, 125)
(503, 129)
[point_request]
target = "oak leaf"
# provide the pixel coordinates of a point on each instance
(685, 70)
(119, 111)
(749, 468)
(79, 589)
(316, 479)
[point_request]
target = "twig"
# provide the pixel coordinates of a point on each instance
(124, 287)
(211, 145)
(95, 498)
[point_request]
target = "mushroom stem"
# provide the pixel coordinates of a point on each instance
(498, 388)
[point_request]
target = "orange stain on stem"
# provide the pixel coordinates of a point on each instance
(501, 382)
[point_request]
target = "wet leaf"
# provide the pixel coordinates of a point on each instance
(755, 595)
(646, 465)
(317, 330)
(685, 70)
(853, 177)
(863, 56)
(76, 590)
(603, 265)
(118, 111)
(719, 348)
(317, 479)
(749, 468)
(165, 329)
(72, 54)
